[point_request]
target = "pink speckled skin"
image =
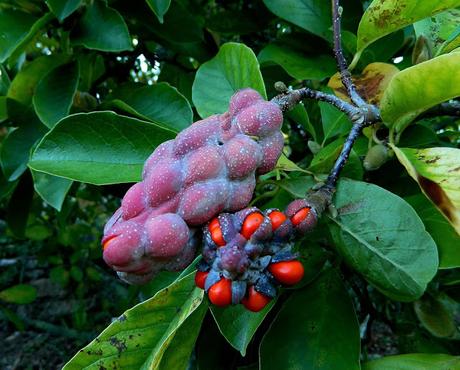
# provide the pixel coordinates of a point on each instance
(208, 168)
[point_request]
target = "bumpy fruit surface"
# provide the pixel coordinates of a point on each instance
(208, 168)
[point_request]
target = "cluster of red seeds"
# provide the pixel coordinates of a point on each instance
(247, 255)
(208, 168)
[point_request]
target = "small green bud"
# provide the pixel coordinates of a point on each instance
(375, 157)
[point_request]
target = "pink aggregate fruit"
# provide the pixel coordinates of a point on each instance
(210, 167)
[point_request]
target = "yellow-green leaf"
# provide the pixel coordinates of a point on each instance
(383, 17)
(418, 88)
(371, 83)
(437, 171)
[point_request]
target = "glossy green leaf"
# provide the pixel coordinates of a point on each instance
(311, 15)
(139, 338)
(418, 88)
(233, 68)
(438, 29)
(238, 325)
(102, 28)
(437, 172)
(63, 8)
(316, 329)
(383, 17)
(14, 27)
(414, 361)
(297, 64)
(177, 355)
(52, 189)
(382, 237)
(159, 103)
(55, 92)
(159, 7)
(99, 148)
(19, 294)
(447, 240)
(24, 83)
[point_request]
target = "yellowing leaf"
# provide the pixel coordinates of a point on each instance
(418, 88)
(371, 83)
(437, 171)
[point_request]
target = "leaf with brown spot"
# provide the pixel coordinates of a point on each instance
(383, 17)
(142, 337)
(442, 30)
(371, 83)
(436, 172)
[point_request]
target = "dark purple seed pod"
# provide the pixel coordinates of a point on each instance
(227, 226)
(264, 231)
(266, 285)
(212, 278)
(233, 259)
(238, 291)
(253, 249)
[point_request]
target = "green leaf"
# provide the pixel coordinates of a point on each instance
(23, 85)
(33, 33)
(233, 68)
(159, 7)
(323, 161)
(55, 92)
(98, 148)
(334, 121)
(52, 189)
(238, 325)
(415, 361)
(382, 237)
(438, 29)
(296, 63)
(177, 355)
(300, 116)
(159, 103)
(418, 88)
(447, 240)
(311, 15)
(63, 8)
(14, 27)
(317, 328)
(437, 315)
(102, 28)
(297, 186)
(15, 149)
(437, 172)
(383, 17)
(140, 337)
(285, 164)
(19, 294)
(4, 81)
